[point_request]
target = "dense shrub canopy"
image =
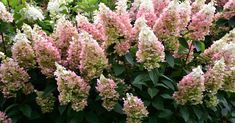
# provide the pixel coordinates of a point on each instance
(117, 61)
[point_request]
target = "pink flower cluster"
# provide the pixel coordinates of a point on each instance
(46, 103)
(72, 88)
(150, 50)
(201, 22)
(4, 14)
(95, 29)
(191, 88)
(46, 54)
(92, 58)
(214, 77)
(22, 51)
(63, 33)
(134, 108)
(229, 10)
(4, 118)
(13, 79)
(106, 88)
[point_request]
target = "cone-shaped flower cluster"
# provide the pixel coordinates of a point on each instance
(106, 88)
(201, 22)
(4, 118)
(46, 54)
(13, 78)
(22, 51)
(74, 51)
(92, 58)
(229, 80)
(134, 108)
(190, 88)
(197, 5)
(159, 6)
(229, 10)
(214, 77)
(146, 10)
(167, 26)
(63, 33)
(150, 50)
(96, 30)
(56, 7)
(4, 14)
(72, 88)
(46, 103)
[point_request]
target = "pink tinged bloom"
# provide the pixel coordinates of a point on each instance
(218, 45)
(72, 88)
(197, 5)
(184, 10)
(74, 51)
(228, 53)
(22, 51)
(150, 50)
(201, 22)
(63, 33)
(167, 26)
(139, 23)
(221, 3)
(229, 80)
(4, 118)
(191, 88)
(96, 30)
(123, 47)
(214, 77)
(106, 88)
(4, 14)
(13, 79)
(134, 9)
(111, 19)
(146, 10)
(46, 54)
(159, 5)
(92, 58)
(229, 10)
(134, 108)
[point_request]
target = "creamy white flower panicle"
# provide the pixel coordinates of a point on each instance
(55, 7)
(197, 72)
(4, 14)
(32, 13)
(121, 6)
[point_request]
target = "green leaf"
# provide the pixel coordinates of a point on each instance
(184, 42)
(200, 46)
(170, 59)
(152, 92)
(169, 84)
(129, 58)
(26, 110)
(141, 79)
(158, 104)
(154, 76)
(118, 108)
(13, 3)
(5, 2)
(165, 113)
(118, 69)
(198, 112)
(62, 109)
(184, 113)
(166, 96)
(91, 117)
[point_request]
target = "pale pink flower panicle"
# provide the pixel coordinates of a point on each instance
(197, 5)
(214, 77)
(201, 22)
(92, 58)
(95, 29)
(146, 10)
(72, 88)
(229, 10)
(150, 50)
(4, 118)
(190, 88)
(106, 88)
(63, 33)
(46, 54)
(22, 51)
(134, 108)
(13, 78)
(159, 5)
